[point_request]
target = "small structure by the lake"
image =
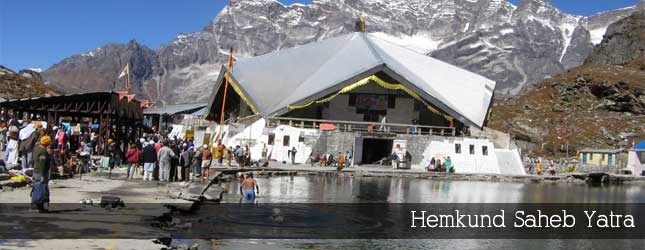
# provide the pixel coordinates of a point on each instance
(636, 159)
(599, 157)
(361, 95)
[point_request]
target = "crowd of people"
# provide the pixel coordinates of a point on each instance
(33, 150)
(171, 159)
(537, 167)
(438, 165)
(340, 161)
(18, 139)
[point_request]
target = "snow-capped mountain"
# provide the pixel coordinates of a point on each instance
(514, 45)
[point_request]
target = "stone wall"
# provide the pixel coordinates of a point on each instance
(334, 142)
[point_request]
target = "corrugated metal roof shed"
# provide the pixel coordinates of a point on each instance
(604, 151)
(175, 109)
(201, 112)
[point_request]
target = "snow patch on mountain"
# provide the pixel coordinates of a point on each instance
(597, 34)
(420, 42)
(567, 27)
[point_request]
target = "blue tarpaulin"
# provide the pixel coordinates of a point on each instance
(640, 146)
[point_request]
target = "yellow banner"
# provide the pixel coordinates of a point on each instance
(238, 90)
(380, 82)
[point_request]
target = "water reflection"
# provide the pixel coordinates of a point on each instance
(332, 189)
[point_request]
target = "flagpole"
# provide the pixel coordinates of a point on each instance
(221, 118)
(127, 81)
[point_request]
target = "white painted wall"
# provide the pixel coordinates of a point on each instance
(509, 161)
(463, 162)
(277, 151)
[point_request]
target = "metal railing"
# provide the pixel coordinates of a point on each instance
(372, 127)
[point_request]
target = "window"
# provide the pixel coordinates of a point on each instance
(485, 150)
(285, 141)
(590, 156)
(457, 148)
(472, 149)
(352, 100)
(271, 140)
(602, 157)
(301, 138)
(391, 101)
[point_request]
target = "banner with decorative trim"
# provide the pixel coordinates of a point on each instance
(380, 82)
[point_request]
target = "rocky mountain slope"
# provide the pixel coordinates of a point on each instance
(514, 45)
(23, 84)
(600, 104)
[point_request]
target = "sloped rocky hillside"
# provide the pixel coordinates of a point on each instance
(600, 104)
(24, 84)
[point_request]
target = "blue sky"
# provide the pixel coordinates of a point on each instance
(40, 33)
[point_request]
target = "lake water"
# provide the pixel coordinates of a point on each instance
(332, 189)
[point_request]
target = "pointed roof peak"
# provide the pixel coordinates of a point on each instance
(316, 70)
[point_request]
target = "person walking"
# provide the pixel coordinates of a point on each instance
(216, 153)
(448, 163)
(197, 163)
(149, 160)
(293, 155)
(112, 154)
(551, 169)
(248, 188)
(222, 151)
(538, 168)
(132, 156)
(341, 161)
(11, 150)
(3, 135)
(94, 140)
(432, 166)
(40, 188)
(164, 157)
(383, 128)
(27, 142)
(265, 151)
(174, 164)
(206, 162)
(247, 156)
(239, 153)
(186, 161)
(230, 154)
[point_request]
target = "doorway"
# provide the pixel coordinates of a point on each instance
(375, 149)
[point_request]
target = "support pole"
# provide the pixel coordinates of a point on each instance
(221, 118)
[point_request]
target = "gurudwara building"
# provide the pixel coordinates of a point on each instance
(360, 94)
